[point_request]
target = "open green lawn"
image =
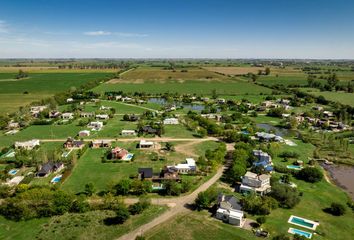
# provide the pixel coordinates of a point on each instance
(188, 87)
(177, 131)
(41, 132)
(90, 168)
(11, 102)
(285, 79)
(197, 226)
(88, 225)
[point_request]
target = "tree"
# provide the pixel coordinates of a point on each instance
(310, 174)
(172, 188)
(123, 187)
(122, 214)
(170, 147)
(281, 237)
(332, 80)
(337, 209)
(267, 71)
(299, 237)
(89, 189)
(287, 196)
(261, 220)
(204, 199)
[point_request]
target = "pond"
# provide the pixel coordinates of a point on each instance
(162, 102)
(342, 175)
(276, 130)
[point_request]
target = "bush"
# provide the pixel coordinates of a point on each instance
(281, 237)
(205, 199)
(336, 209)
(287, 196)
(122, 214)
(310, 174)
(261, 220)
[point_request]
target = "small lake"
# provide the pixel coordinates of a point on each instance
(162, 102)
(343, 176)
(276, 130)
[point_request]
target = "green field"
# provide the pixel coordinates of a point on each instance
(88, 225)
(341, 97)
(39, 86)
(197, 226)
(156, 73)
(188, 87)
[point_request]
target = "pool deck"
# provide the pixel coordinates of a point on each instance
(291, 231)
(315, 224)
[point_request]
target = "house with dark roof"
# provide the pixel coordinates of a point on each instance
(48, 168)
(73, 144)
(145, 173)
(229, 210)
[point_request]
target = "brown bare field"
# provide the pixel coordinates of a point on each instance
(245, 70)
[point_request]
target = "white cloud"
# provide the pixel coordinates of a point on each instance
(97, 33)
(119, 34)
(3, 27)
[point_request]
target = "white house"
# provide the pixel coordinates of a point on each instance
(186, 167)
(127, 99)
(128, 133)
(252, 182)
(102, 116)
(35, 110)
(87, 114)
(170, 121)
(27, 145)
(67, 116)
(145, 144)
(84, 133)
(229, 210)
(13, 125)
(69, 100)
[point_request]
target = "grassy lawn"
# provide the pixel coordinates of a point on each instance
(197, 226)
(341, 97)
(41, 132)
(90, 168)
(177, 131)
(88, 225)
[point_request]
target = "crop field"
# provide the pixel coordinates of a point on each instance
(341, 97)
(141, 74)
(244, 70)
(38, 86)
(188, 87)
(42, 69)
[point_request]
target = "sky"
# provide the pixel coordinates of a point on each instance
(316, 29)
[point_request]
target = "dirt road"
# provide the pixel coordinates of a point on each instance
(178, 205)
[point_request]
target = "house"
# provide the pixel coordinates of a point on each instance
(50, 167)
(268, 137)
(170, 121)
(101, 143)
(69, 100)
(188, 166)
(251, 182)
(96, 126)
(104, 108)
(87, 114)
(67, 116)
(13, 125)
(317, 108)
(128, 133)
(145, 144)
(132, 118)
(327, 114)
(15, 181)
(35, 110)
(119, 153)
(149, 130)
(216, 117)
(229, 210)
(27, 145)
(126, 99)
(84, 133)
(221, 101)
(167, 174)
(145, 173)
(102, 116)
(54, 114)
(119, 97)
(73, 144)
(263, 159)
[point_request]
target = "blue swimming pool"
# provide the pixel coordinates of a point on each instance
(295, 167)
(300, 232)
(56, 179)
(13, 171)
(129, 157)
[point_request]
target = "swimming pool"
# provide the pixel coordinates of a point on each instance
(295, 167)
(56, 179)
(13, 171)
(305, 223)
(128, 157)
(299, 232)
